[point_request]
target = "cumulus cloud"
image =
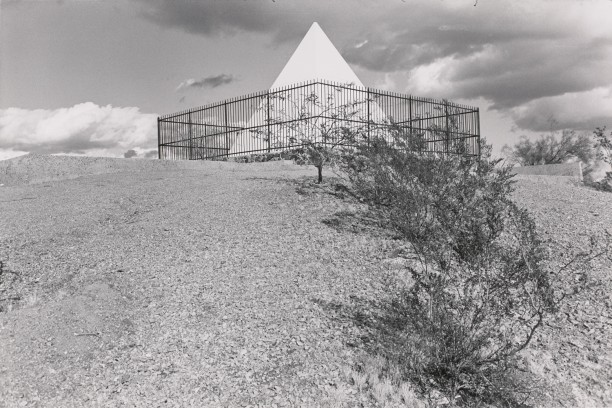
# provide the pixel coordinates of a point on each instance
(209, 82)
(141, 153)
(387, 83)
(486, 73)
(151, 154)
(573, 110)
(84, 128)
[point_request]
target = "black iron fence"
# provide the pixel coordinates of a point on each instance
(316, 111)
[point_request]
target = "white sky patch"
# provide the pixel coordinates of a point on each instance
(432, 79)
(84, 128)
(188, 83)
(576, 110)
(437, 79)
(446, 27)
(361, 44)
(387, 84)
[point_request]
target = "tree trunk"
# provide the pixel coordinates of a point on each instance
(320, 168)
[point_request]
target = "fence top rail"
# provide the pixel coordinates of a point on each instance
(371, 93)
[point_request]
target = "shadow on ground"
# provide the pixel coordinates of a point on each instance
(382, 328)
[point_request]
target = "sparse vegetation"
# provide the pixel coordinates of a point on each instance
(604, 144)
(6, 298)
(603, 149)
(386, 387)
(479, 285)
(318, 125)
(129, 154)
(551, 149)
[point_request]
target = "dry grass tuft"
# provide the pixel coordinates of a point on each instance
(382, 382)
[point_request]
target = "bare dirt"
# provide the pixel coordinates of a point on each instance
(144, 283)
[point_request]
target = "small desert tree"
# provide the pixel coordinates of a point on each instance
(130, 153)
(316, 125)
(551, 149)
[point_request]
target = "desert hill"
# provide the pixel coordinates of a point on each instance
(151, 283)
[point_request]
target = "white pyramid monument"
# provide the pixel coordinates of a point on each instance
(315, 59)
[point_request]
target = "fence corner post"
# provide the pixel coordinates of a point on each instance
(478, 131)
(158, 139)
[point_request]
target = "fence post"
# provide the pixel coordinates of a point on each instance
(368, 105)
(226, 128)
(447, 130)
(190, 138)
(410, 114)
(268, 119)
(478, 129)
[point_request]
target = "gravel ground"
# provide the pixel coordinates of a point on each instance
(574, 351)
(174, 288)
(202, 284)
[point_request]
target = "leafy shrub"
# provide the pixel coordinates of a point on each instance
(550, 149)
(254, 158)
(604, 144)
(130, 153)
(480, 288)
(604, 184)
(603, 147)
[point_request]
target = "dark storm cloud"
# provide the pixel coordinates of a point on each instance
(208, 82)
(506, 60)
(283, 20)
(509, 53)
(208, 17)
(515, 73)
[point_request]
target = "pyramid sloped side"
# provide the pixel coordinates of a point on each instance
(316, 58)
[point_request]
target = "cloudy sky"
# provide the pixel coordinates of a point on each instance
(91, 76)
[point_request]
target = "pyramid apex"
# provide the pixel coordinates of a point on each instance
(316, 58)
